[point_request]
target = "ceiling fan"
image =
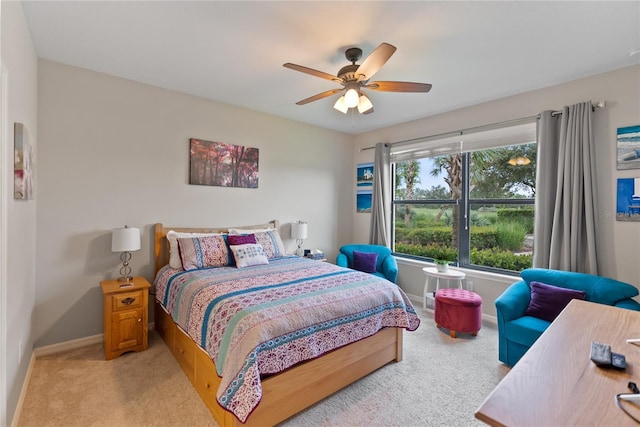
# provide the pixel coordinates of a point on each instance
(354, 78)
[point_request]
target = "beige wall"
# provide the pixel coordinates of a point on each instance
(17, 271)
(619, 242)
(115, 152)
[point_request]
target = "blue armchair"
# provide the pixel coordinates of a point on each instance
(386, 265)
(517, 332)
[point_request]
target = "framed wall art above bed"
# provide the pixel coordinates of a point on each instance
(223, 165)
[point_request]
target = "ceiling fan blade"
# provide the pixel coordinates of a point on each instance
(313, 72)
(374, 61)
(319, 96)
(399, 87)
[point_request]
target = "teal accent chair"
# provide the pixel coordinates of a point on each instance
(517, 332)
(386, 265)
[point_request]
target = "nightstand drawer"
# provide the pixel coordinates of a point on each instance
(127, 300)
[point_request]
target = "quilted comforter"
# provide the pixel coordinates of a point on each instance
(263, 319)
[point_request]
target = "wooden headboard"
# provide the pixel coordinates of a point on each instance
(161, 244)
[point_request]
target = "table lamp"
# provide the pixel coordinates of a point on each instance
(299, 232)
(125, 240)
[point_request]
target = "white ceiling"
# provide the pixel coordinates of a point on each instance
(233, 52)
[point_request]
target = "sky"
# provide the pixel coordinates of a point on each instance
(426, 180)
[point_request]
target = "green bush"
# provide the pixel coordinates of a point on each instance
(492, 245)
(511, 235)
(481, 220)
(401, 234)
(501, 259)
(523, 216)
(428, 251)
(483, 237)
(428, 236)
(446, 219)
(487, 257)
(423, 222)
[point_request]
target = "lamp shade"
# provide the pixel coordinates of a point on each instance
(299, 230)
(364, 104)
(340, 105)
(125, 239)
(351, 97)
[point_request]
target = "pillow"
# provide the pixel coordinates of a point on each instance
(248, 254)
(271, 243)
(365, 261)
(548, 301)
(241, 239)
(248, 230)
(203, 252)
(174, 252)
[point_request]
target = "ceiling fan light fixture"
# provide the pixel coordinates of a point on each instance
(341, 106)
(351, 97)
(364, 104)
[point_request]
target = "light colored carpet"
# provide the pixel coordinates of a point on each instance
(440, 382)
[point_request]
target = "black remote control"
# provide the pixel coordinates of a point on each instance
(618, 361)
(600, 354)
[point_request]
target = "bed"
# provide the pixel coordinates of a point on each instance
(263, 342)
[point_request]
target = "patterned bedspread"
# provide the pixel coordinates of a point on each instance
(263, 319)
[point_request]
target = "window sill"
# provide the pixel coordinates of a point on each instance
(471, 273)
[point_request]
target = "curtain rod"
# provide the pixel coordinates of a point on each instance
(599, 104)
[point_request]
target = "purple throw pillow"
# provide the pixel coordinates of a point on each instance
(241, 239)
(365, 261)
(548, 301)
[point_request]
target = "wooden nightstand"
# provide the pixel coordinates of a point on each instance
(125, 311)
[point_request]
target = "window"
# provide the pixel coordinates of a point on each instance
(473, 205)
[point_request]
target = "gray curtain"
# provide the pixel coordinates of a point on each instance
(381, 198)
(566, 209)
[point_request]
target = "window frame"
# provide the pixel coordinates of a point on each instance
(464, 227)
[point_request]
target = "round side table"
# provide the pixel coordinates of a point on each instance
(433, 272)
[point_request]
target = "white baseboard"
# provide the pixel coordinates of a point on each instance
(23, 392)
(68, 345)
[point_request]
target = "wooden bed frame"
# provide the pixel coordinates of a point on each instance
(288, 392)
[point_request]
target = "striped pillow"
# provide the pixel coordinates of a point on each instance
(174, 251)
(271, 243)
(203, 252)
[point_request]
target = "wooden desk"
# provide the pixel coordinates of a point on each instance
(555, 383)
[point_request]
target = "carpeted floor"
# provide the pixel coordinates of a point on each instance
(440, 382)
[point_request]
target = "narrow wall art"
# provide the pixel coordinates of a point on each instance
(363, 201)
(628, 199)
(365, 175)
(223, 165)
(23, 165)
(364, 187)
(628, 147)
